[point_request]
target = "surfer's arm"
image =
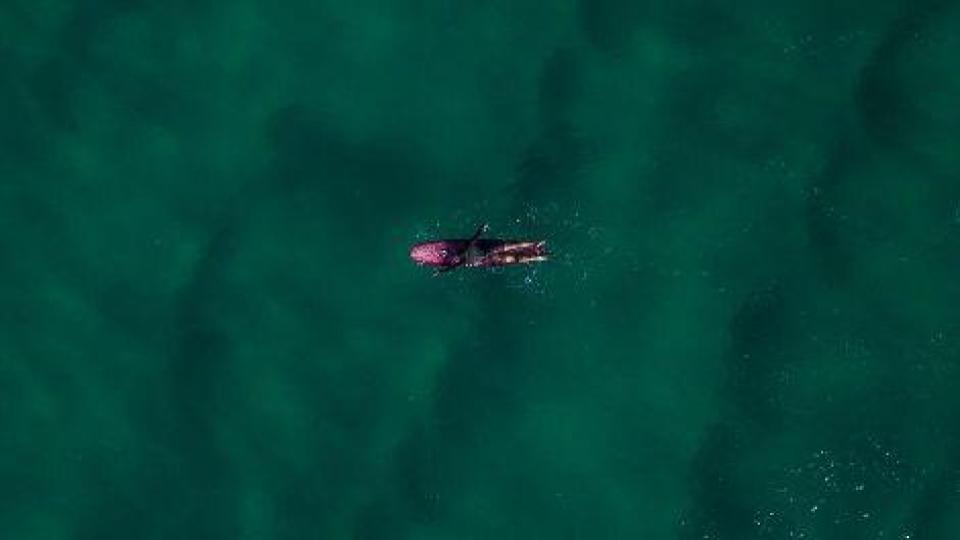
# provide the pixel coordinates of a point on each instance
(444, 270)
(480, 230)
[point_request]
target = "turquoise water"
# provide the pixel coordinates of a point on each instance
(211, 328)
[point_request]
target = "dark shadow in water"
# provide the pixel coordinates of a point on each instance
(716, 510)
(878, 100)
(54, 83)
(759, 332)
(198, 365)
(689, 174)
(482, 383)
(559, 88)
(414, 493)
(556, 159)
(420, 478)
(760, 338)
(823, 214)
(935, 513)
(886, 111)
(609, 25)
(188, 492)
(81, 61)
(317, 170)
(22, 136)
(475, 400)
(51, 86)
(198, 371)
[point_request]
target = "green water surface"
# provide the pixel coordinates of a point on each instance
(210, 327)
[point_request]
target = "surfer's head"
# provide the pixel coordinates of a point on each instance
(434, 254)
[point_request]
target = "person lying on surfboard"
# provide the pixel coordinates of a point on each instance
(445, 255)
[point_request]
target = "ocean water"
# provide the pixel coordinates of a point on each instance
(211, 328)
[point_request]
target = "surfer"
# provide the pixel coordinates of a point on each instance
(445, 255)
